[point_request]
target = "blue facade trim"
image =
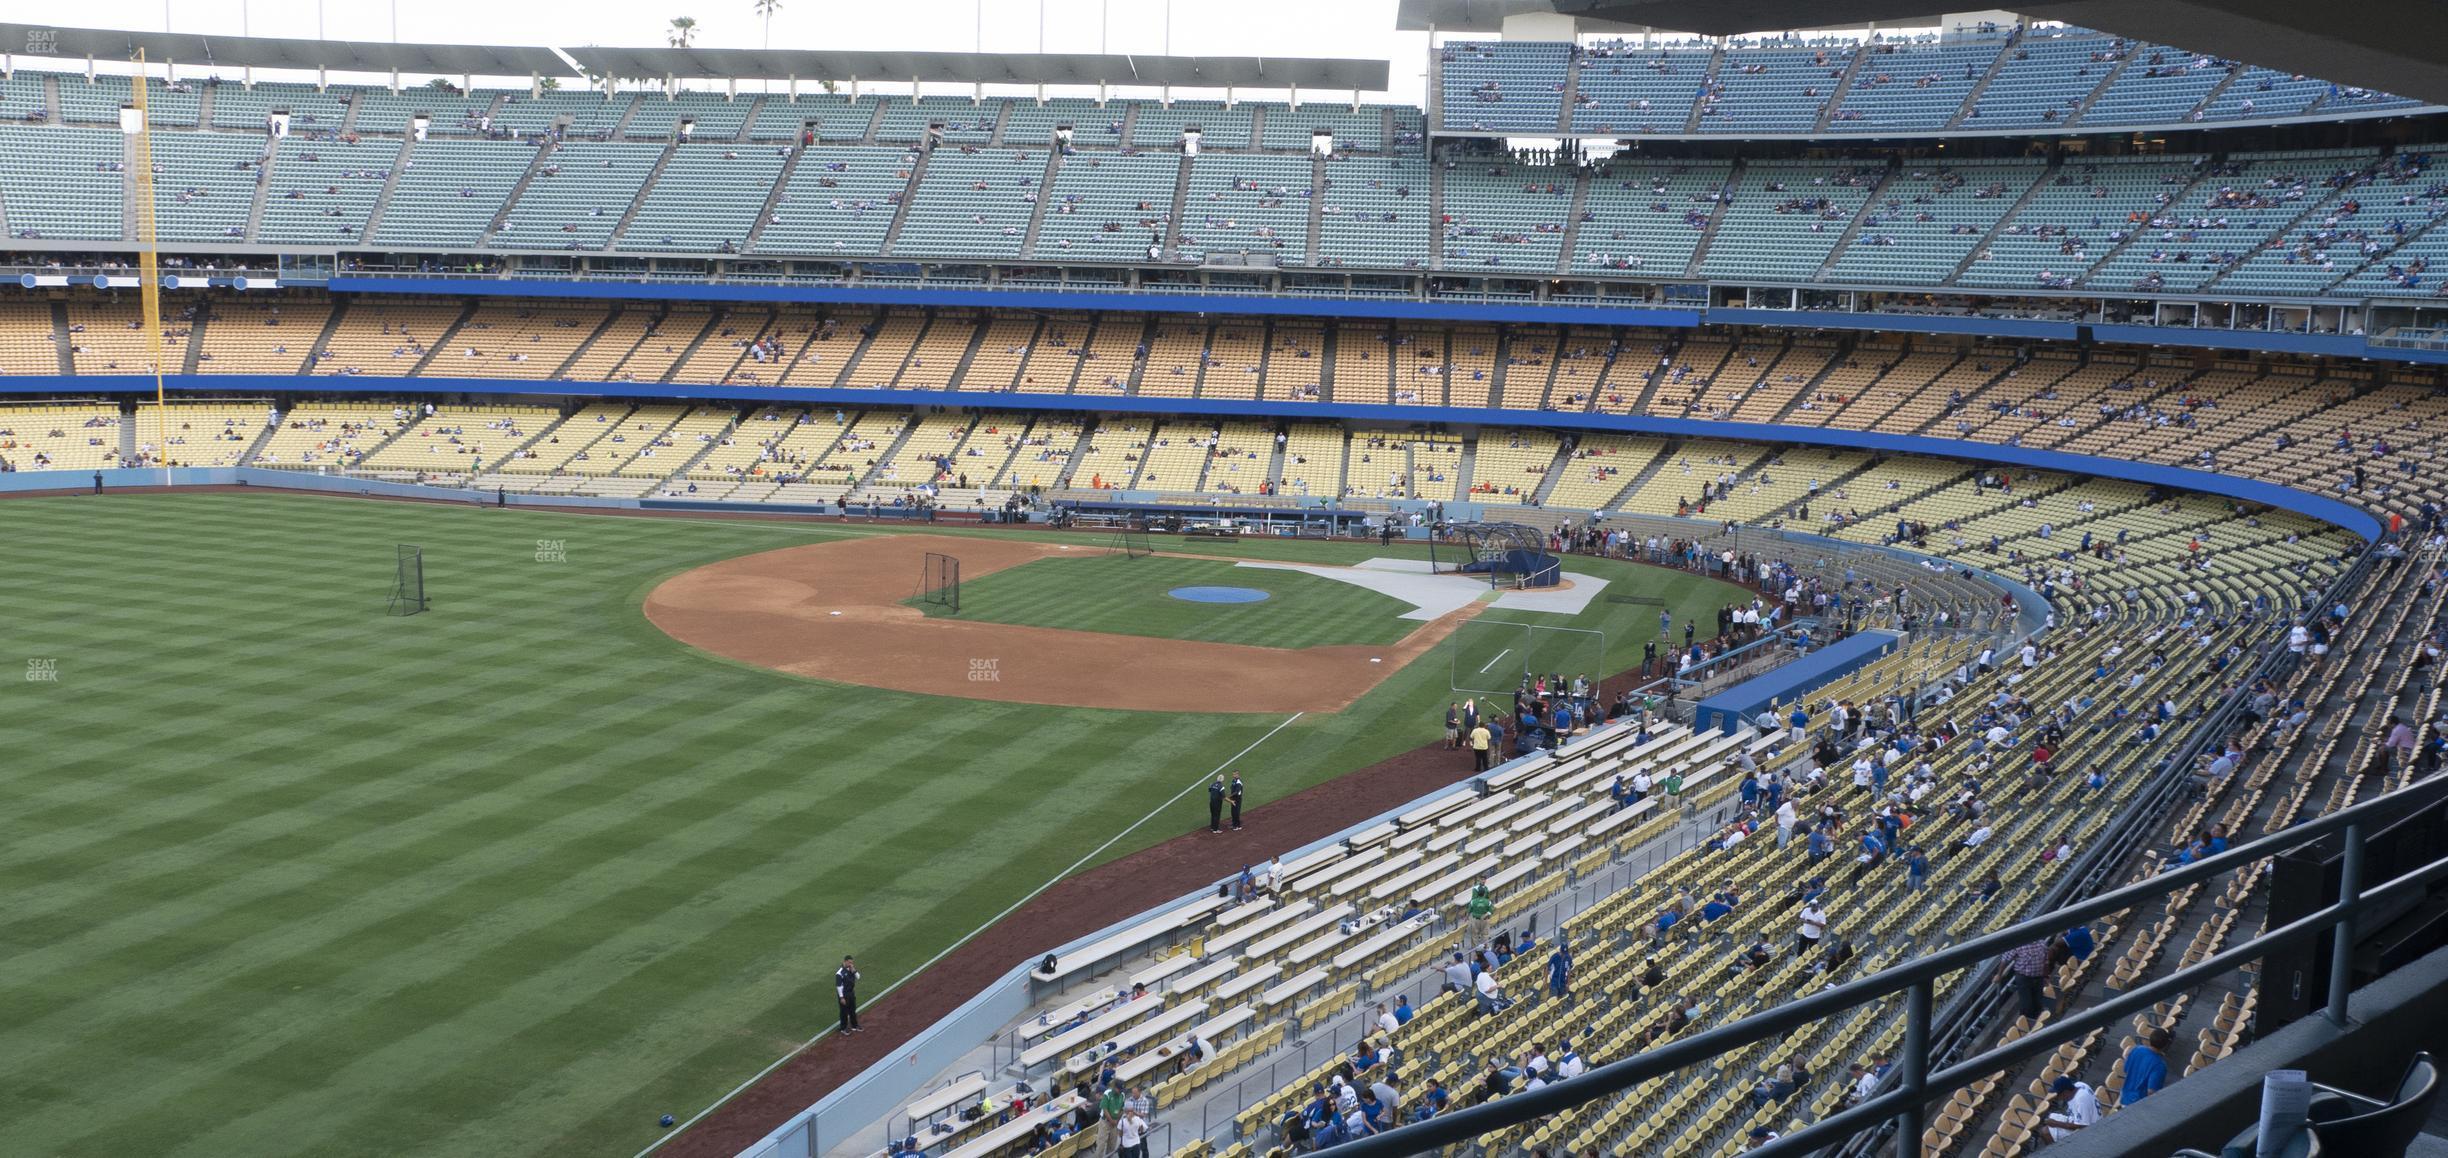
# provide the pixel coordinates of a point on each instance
(2317, 506)
(1889, 323)
(1034, 299)
(2274, 341)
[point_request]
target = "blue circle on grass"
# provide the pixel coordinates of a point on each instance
(1218, 594)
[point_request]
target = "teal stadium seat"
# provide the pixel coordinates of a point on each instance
(1374, 213)
(450, 191)
(62, 183)
(323, 190)
(1250, 203)
(973, 204)
(708, 194)
(840, 200)
(577, 196)
(1105, 206)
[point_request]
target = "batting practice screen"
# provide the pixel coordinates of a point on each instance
(1491, 657)
(408, 581)
(939, 582)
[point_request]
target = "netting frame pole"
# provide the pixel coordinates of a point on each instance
(939, 581)
(1131, 539)
(408, 596)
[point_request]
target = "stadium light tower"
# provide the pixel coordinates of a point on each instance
(134, 122)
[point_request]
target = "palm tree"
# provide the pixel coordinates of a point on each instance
(683, 30)
(765, 10)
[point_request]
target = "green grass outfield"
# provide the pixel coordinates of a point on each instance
(1129, 598)
(287, 877)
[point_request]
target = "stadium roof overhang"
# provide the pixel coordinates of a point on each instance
(42, 40)
(2398, 46)
(1264, 72)
(990, 67)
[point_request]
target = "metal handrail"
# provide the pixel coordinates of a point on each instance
(2133, 826)
(1918, 977)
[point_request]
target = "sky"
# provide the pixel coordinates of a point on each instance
(1321, 28)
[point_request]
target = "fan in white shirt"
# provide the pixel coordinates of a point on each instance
(2073, 1106)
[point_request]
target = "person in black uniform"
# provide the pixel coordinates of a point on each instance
(845, 991)
(1236, 802)
(501, 497)
(1215, 805)
(97, 482)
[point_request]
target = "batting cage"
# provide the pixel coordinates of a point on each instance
(1509, 554)
(1131, 539)
(939, 582)
(1492, 657)
(408, 582)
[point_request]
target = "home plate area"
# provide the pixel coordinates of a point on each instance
(1433, 595)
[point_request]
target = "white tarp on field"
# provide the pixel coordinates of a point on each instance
(1432, 595)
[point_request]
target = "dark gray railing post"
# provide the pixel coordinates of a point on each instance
(1915, 1061)
(2341, 950)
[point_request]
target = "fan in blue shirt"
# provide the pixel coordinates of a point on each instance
(2145, 1068)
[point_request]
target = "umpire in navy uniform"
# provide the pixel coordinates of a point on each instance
(1236, 802)
(1215, 805)
(845, 991)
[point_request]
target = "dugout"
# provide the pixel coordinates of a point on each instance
(1730, 709)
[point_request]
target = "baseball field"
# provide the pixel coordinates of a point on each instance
(289, 876)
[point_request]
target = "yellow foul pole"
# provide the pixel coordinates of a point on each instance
(148, 262)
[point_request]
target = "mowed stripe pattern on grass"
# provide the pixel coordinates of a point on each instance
(1114, 593)
(291, 877)
(287, 876)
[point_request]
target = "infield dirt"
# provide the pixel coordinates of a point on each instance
(834, 611)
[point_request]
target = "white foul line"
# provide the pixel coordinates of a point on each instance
(1492, 662)
(972, 934)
